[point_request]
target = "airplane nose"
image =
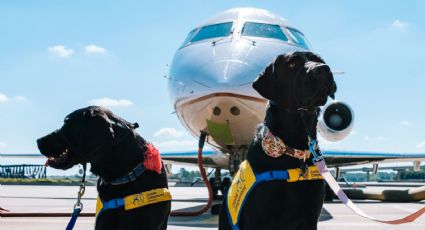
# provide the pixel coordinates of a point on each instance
(226, 73)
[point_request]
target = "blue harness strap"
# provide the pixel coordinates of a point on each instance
(271, 175)
(115, 203)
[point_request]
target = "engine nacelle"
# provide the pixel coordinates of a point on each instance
(336, 121)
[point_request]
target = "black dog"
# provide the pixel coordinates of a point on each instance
(296, 85)
(126, 164)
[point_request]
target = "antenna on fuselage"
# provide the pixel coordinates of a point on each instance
(338, 72)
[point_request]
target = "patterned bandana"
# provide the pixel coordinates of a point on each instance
(275, 147)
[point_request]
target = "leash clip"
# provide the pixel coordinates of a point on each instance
(79, 204)
(312, 147)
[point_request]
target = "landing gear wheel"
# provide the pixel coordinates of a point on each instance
(225, 185)
(214, 189)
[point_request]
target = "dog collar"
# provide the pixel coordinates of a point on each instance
(275, 147)
(131, 176)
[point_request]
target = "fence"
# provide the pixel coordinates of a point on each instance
(22, 171)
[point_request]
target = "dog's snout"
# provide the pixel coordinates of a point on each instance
(40, 144)
(321, 69)
(50, 144)
(324, 68)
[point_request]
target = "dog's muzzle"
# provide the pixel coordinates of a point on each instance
(55, 148)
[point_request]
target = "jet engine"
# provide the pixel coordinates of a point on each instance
(335, 121)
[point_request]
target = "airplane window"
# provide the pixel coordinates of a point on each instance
(188, 37)
(213, 31)
(298, 38)
(255, 29)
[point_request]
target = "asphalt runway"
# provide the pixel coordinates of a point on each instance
(60, 199)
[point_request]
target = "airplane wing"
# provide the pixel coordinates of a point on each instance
(333, 158)
(346, 158)
(21, 155)
(216, 159)
(210, 159)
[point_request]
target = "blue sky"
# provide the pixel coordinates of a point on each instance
(58, 56)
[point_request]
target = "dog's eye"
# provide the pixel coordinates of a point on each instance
(292, 65)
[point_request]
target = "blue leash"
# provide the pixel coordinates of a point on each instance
(78, 207)
(74, 217)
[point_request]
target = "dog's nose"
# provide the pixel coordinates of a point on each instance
(321, 69)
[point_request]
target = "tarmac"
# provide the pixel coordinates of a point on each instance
(60, 199)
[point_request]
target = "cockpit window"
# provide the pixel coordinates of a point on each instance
(298, 38)
(255, 29)
(188, 37)
(213, 31)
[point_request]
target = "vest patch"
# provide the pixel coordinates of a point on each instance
(134, 201)
(242, 183)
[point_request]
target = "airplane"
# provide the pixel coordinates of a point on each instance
(210, 85)
(210, 82)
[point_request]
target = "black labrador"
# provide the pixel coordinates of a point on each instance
(295, 84)
(125, 163)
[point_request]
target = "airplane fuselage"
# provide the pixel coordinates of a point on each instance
(211, 76)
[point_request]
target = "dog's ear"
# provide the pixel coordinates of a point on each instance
(267, 83)
(333, 90)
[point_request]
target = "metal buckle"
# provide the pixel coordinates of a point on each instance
(312, 148)
(78, 204)
(304, 170)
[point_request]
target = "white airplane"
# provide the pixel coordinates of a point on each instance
(210, 85)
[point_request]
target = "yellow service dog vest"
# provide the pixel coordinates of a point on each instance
(134, 201)
(245, 180)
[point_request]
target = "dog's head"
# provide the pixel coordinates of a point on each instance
(296, 80)
(86, 134)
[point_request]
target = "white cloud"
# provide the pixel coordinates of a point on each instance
(93, 49)
(109, 102)
(421, 145)
(397, 24)
(61, 51)
(174, 145)
(3, 98)
(405, 123)
(169, 132)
